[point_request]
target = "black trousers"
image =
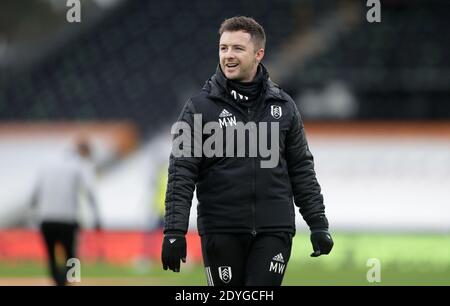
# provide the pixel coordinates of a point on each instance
(63, 234)
(246, 260)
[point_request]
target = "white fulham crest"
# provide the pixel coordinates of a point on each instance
(225, 274)
(275, 111)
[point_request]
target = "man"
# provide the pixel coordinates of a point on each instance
(246, 214)
(56, 199)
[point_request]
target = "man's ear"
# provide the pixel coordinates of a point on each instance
(259, 55)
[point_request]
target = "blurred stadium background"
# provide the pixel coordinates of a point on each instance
(375, 98)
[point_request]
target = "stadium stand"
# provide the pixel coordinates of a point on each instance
(137, 64)
(398, 68)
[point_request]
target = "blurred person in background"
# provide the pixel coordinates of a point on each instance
(246, 214)
(56, 198)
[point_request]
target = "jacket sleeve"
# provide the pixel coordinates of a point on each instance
(183, 174)
(300, 162)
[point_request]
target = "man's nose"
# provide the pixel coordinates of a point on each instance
(229, 54)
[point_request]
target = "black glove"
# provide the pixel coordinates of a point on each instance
(173, 250)
(320, 237)
(322, 242)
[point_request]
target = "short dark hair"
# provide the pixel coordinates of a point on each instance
(246, 24)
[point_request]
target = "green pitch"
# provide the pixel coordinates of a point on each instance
(405, 259)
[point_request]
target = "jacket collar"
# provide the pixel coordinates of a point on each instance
(217, 86)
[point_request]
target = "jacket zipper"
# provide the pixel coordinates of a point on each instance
(250, 117)
(254, 232)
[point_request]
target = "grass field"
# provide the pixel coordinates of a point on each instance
(405, 260)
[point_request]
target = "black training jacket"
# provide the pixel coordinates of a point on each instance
(235, 194)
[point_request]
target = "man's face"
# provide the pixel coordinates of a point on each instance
(238, 58)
